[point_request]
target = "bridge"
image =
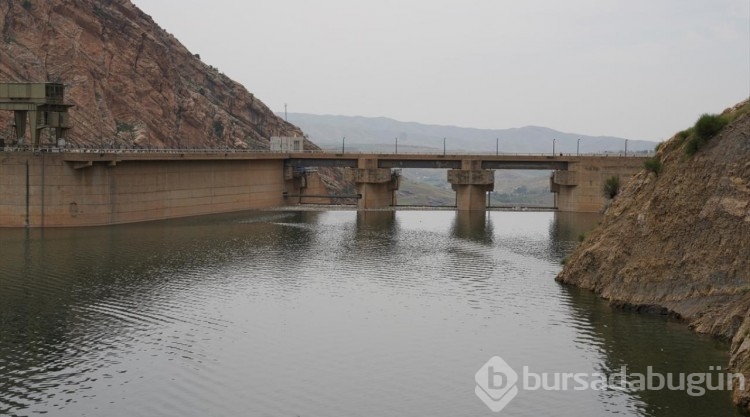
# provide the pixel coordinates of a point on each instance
(576, 180)
(59, 186)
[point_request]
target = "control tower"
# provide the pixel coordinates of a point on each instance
(41, 104)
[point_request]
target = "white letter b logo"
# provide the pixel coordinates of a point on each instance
(496, 384)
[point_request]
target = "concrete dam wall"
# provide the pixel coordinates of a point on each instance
(59, 189)
(45, 190)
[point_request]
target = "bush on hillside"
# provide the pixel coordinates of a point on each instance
(653, 165)
(685, 133)
(709, 125)
(611, 187)
(694, 144)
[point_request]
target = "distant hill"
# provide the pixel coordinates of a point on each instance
(380, 133)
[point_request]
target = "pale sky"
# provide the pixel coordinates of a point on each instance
(639, 69)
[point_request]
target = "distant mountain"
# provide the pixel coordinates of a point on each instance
(380, 133)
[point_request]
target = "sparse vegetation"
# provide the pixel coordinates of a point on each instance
(693, 145)
(124, 131)
(653, 165)
(218, 128)
(709, 125)
(611, 187)
(124, 127)
(742, 110)
(685, 133)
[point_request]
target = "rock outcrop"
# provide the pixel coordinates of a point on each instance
(679, 242)
(132, 83)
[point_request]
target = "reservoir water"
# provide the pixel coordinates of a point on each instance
(321, 313)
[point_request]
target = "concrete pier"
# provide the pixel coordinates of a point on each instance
(375, 186)
(471, 184)
(579, 188)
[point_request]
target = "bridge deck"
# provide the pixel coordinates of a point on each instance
(327, 159)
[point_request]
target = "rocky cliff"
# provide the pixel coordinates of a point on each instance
(676, 240)
(132, 83)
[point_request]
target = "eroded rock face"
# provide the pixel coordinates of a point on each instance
(132, 83)
(680, 242)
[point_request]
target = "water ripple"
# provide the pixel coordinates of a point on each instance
(310, 313)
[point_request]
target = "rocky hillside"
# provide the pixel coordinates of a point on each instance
(676, 240)
(132, 83)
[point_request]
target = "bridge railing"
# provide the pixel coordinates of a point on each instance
(103, 150)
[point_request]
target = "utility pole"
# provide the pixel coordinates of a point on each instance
(497, 146)
(343, 144)
(443, 146)
(553, 146)
(397, 144)
(578, 147)
(626, 147)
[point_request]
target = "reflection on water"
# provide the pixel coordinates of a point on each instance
(318, 313)
(473, 225)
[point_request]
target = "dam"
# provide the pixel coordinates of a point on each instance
(46, 184)
(61, 188)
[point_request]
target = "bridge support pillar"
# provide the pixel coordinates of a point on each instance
(471, 184)
(580, 188)
(376, 186)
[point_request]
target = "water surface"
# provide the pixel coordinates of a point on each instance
(317, 313)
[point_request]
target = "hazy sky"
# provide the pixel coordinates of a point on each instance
(640, 69)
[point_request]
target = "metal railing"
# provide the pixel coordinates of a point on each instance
(437, 153)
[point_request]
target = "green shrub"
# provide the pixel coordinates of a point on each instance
(685, 133)
(709, 125)
(743, 110)
(693, 145)
(124, 127)
(611, 187)
(218, 128)
(653, 165)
